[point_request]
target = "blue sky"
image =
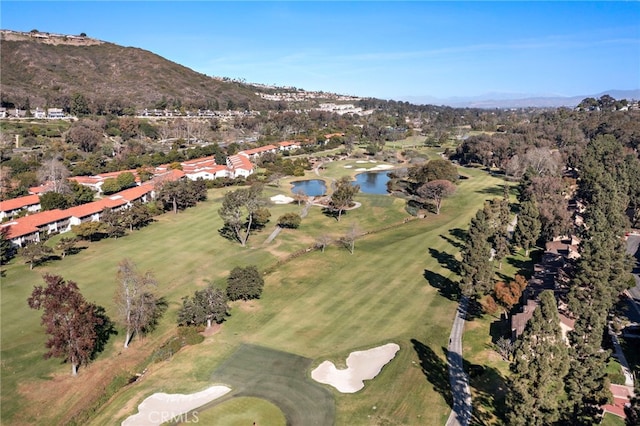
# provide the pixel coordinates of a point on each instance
(382, 49)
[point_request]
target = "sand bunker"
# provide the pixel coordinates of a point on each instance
(281, 199)
(382, 167)
(161, 408)
(361, 366)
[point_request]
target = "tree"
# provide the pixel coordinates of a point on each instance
(71, 322)
(181, 194)
(289, 220)
(86, 134)
(138, 307)
(536, 388)
(206, 306)
(349, 239)
(110, 186)
(113, 223)
(300, 196)
(79, 105)
(260, 217)
(508, 294)
(53, 200)
(66, 245)
(7, 251)
(436, 169)
(136, 216)
(239, 209)
(91, 231)
(35, 253)
(126, 180)
(55, 174)
(343, 194)
(322, 242)
(528, 227)
(476, 266)
(244, 283)
(505, 348)
(436, 190)
(80, 194)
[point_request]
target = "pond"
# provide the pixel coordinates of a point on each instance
(312, 187)
(373, 182)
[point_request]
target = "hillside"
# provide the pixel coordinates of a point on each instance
(47, 70)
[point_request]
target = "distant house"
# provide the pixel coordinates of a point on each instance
(519, 321)
(39, 113)
(29, 228)
(288, 145)
(55, 113)
(257, 152)
(239, 165)
(10, 208)
(95, 182)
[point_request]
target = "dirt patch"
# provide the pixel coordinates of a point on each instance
(211, 330)
(75, 394)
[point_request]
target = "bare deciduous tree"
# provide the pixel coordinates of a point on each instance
(137, 305)
(55, 174)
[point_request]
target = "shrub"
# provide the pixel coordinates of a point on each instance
(244, 283)
(289, 220)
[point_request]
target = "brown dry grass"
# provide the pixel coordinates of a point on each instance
(74, 394)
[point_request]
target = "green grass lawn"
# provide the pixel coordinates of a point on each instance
(317, 306)
(242, 411)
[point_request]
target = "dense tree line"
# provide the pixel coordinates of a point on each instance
(578, 385)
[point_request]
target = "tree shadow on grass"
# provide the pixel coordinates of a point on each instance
(474, 309)
(490, 390)
(446, 260)
(524, 266)
(453, 242)
(499, 328)
(494, 190)
(435, 370)
(103, 331)
(446, 287)
(459, 234)
(329, 212)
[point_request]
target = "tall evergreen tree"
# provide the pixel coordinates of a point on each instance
(476, 266)
(539, 367)
(601, 275)
(528, 227)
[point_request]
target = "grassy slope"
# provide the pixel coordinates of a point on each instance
(321, 305)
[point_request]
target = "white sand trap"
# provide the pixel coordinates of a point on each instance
(348, 166)
(281, 199)
(360, 161)
(361, 366)
(360, 169)
(382, 167)
(163, 407)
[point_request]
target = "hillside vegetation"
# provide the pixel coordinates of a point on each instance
(49, 74)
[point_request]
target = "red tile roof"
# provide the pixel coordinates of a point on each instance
(136, 192)
(259, 150)
(240, 162)
(18, 203)
(288, 143)
(29, 224)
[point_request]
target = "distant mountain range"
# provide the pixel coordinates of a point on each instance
(518, 100)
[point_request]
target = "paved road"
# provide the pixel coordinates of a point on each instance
(461, 410)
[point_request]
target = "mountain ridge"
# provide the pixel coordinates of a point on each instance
(519, 100)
